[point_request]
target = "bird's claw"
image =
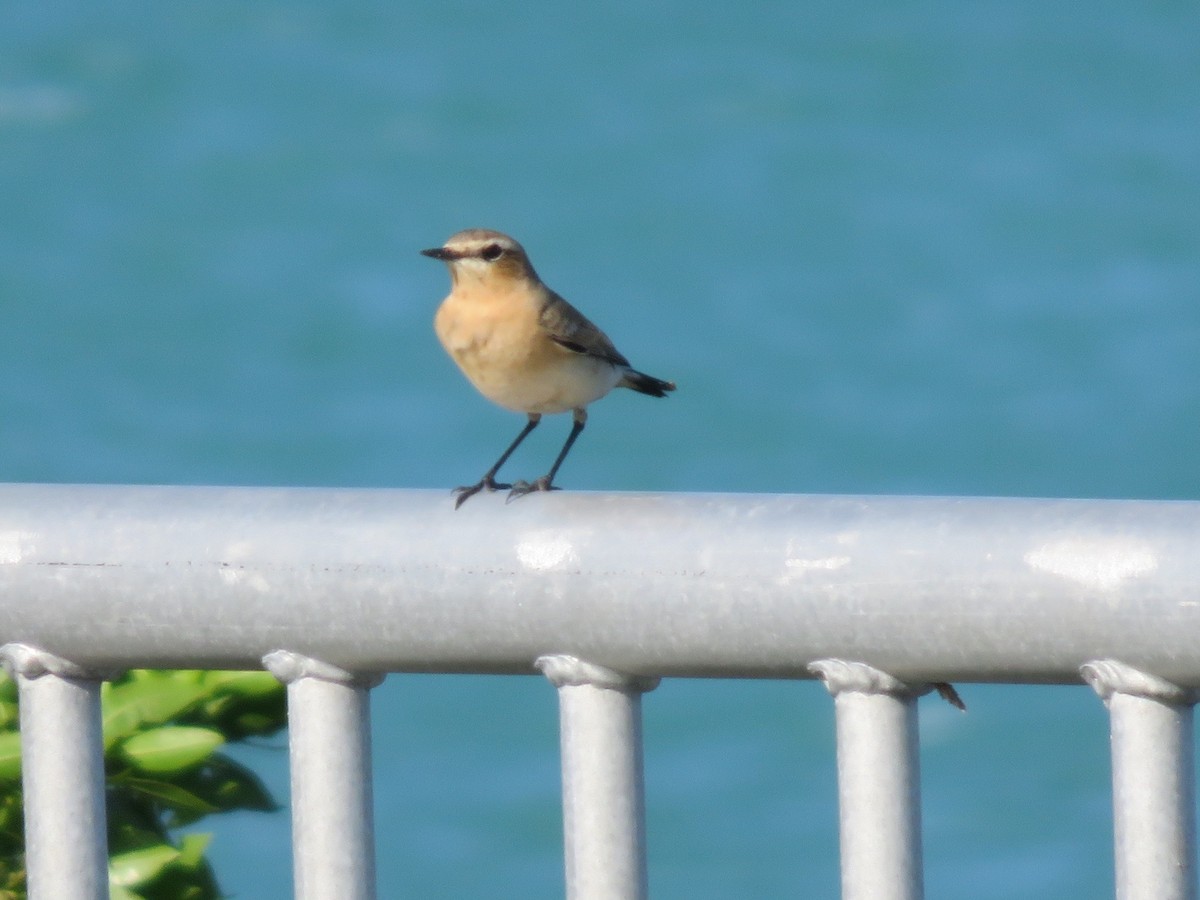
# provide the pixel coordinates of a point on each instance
(947, 692)
(521, 488)
(466, 492)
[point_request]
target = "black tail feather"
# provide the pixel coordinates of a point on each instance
(646, 384)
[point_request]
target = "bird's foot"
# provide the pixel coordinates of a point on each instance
(463, 494)
(521, 488)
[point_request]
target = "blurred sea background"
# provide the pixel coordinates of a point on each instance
(934, 248)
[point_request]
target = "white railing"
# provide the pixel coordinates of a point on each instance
(881, 597)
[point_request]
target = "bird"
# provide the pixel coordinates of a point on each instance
(524, 347)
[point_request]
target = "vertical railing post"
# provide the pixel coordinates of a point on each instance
(1154, 792)
(329, 740)
(604, 827)
(879, 782)
(62, 772)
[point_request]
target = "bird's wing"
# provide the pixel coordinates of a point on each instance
(569, 328)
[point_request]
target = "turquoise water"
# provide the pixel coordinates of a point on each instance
(944, 249)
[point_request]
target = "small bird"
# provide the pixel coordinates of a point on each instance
(523, 346)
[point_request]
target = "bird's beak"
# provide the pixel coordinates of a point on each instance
(439, 253)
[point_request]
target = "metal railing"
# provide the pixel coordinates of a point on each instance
(880, 597)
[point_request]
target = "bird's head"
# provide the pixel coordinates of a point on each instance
(483, 255)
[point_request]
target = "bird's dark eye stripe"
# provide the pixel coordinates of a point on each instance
(492, 252)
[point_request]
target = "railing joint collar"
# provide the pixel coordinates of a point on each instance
(844, 676)
(565, 670)
(29, 661)
(288, 667)
(1111, 676)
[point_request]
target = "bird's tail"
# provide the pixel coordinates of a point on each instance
(645, 384)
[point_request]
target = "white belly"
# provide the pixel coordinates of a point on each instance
(572, 383)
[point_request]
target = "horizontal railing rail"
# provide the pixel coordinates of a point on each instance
(880, 597)
(731, 585)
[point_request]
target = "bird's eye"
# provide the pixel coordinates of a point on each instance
(492, 252)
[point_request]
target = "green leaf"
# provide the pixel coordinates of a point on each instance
(12, 822)
(9, 714)
(244, 684)
(171, 748)
(228, 785)
(132, 705)
(140, 867)
(10, 756)
(128, 829)
(177, 883)
(257, 724)
(162, 731)
(239, 716)
(191, 850)
(179, 799)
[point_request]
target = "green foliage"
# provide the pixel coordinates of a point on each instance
(162, 734)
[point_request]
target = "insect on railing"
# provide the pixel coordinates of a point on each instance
(604, 594)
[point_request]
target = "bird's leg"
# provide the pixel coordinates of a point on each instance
(578, 420)
(546, 482)
(488, 481)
